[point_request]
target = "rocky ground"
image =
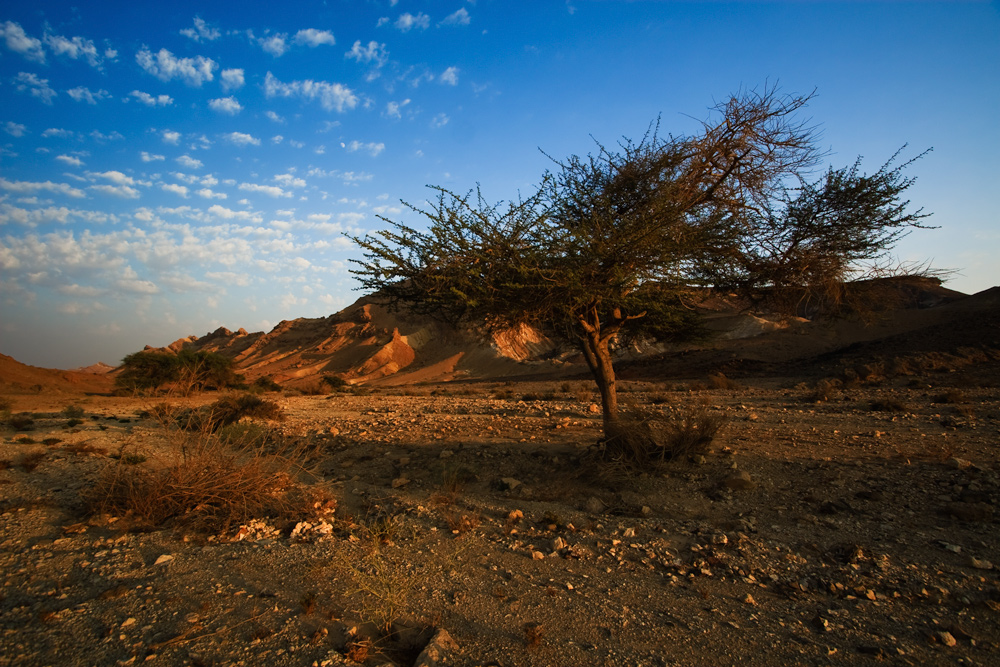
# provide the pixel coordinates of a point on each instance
(466, 524)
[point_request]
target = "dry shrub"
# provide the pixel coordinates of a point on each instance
(84, 448)
(29, 462)
(952, 396)
(720, 381)
(382, 583)
(825, 390)
(21, 422)
(202, 481)
(230, 410)
(889, 405)
(642, 436)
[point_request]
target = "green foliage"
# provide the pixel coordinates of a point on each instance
(609, 247)
(188, 371)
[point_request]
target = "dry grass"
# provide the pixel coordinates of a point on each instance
(642, 436)
(201, 480)
(30, 461)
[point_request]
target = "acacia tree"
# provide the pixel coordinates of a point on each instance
(608, 245)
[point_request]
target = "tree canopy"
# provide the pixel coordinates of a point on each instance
(608, 245)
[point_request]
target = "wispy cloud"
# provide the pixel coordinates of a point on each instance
(241, 139)
(460, 17)
(313, 37)
(83, 94)
(149, 100)
(189, 162)
(201, 32)
(276, 45)
(408, 21)
(76, 48)
(394, 109)
(226, 105)
(269, 190)
(14, 129)
(151, 157)
(31, 187)
(374, 55)
(373, 148)
(28, 82)
(18, 41)
(331, 96)
(171, 137)
(232, 79)
(449, 76)
(166, 67)
(71, 160)
(176, 189)
(274, 117)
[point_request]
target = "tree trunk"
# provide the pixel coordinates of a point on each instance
(598, 356)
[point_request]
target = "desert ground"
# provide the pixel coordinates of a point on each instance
(845, 513)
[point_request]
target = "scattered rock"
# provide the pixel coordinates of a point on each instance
(594, 505)
(508, 484)
(980, 564)
(945, 638)
(163, 560)
(400, 482)
(739, 481)
(437, 651)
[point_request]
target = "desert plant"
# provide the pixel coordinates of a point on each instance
(720, 381)
(264, 383)
(334, 382)
(825, 390)
(889, 405)
(21, 422)
(29, 461)
(229, 410)
(951, 396)
(73, 412)
(382, 582)
(645, 436)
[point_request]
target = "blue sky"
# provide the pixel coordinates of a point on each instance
(169, 168)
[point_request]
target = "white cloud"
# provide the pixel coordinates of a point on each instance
(449, 76)
(374, 53)
(275, 44)
(189, 162)
(241, 139)
(232, 79)
(277, 139)
(176, 189)
(331, 96)
(14, 129)
(275, 117)
(440, 120)
(70, 160)
(226, 105)
(149, 100)
(209, 180)
(201, 32)
(30, 187)
(97, 135)
(75, 48)
(30, 83)
(392, 109)
(230, 214)
(313, 37)
(171, 137)
(408, 21)
(371, 147)
(57, 132)
(460, 17)
(150, 157)
(290, 180)
(269, 190)
(116, 177)
(121, 191)
(19, 42)
(206, 193)
(164, 66)
(82, 94)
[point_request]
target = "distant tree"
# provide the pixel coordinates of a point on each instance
(186, 371)
(608, 245)
(147, 370)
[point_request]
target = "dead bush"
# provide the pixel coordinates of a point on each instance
(825, 390)
(889, 405)
(642, 436)
(951, 396)
(29, 462)
(229, 410)
(720, 381)
(201, 481)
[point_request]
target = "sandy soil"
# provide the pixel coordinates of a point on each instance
(839, 532)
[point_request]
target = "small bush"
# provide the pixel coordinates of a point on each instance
(642, 436)
(825, 390)
(314, 389)
(952, 396)
(264, 383)
(29, 462)
(6, 405)
(334, 382)
(889, 405)
(229, 410)
(73, 412)
(73, 422)
(720, 381)
(21, 422)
